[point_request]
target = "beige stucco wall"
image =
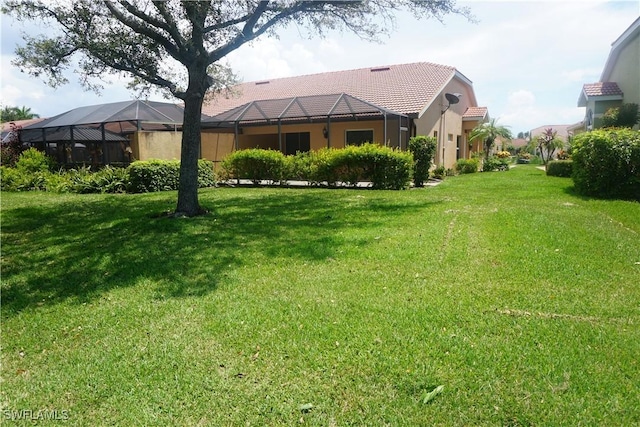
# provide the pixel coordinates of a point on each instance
(449, 124)
(216, 146)
(626, 71)
(156, 145)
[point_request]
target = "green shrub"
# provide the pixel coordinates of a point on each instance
(606, 163)
(255, 164)
(59, 182)
(206, 174)
(105, 180)
(464, 166)
(560, 168)
(153, 175)
(299, 166)
(14, 179)
(384, 167)
(323, 166)
(34, 161)
(423, 149)
(8, 178)
(30, 172)
(439, 172)
(494, 163)
(158, 175)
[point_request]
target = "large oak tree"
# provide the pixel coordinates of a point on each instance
(178, 45)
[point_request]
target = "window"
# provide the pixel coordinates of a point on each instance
(458, 147)
(297, 142)
(435, 134)
(358, 137)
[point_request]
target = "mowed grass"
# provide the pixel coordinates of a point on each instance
(325, 307)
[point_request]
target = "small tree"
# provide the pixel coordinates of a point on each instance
(547, 144)
(423, 149)
(488, 133)
(625, 116)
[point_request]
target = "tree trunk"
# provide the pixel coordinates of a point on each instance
(191, 137)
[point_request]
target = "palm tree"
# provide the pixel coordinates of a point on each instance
(11, 114)
(487, 133)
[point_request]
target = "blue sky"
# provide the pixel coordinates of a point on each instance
(527, 60)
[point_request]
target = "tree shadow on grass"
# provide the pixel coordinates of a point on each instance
(80, 249)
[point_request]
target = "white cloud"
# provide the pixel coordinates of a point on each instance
(582, 75)
(521, 99)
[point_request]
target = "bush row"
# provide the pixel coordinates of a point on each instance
(606, 163)
(34, 171)
(384, 167)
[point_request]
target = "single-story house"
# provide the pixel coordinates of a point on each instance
(619, 82)
(385, 104)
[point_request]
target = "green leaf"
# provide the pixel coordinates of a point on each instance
(428, 397)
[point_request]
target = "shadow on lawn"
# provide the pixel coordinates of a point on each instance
(80, 250)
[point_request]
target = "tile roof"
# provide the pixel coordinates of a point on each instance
(602, 89)
(475, 112)
(405, 88)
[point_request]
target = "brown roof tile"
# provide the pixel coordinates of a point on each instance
(405, 88)
(475, 112)
(602, 89)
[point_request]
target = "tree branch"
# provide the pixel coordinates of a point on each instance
(144, 30)
(161, 7)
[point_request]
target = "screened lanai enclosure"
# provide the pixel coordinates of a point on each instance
(100, 134)
(304, 123)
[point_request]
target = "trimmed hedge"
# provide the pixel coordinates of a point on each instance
(606, 163)
(561, 168)
(384, 167)
(161, 175)
(255, 164)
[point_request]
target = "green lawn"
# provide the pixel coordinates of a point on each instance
(325, 307)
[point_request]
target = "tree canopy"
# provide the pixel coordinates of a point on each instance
(178, 46)
(12, 114)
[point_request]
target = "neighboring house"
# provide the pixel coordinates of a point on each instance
(117, 132)
(519, 143)
(386, 104)
(7, 127)
(619, 82)
(563, 131)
